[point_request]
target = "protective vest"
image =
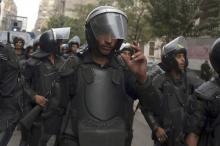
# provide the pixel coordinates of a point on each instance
(173, 100)
(210, 92)
(101, 106)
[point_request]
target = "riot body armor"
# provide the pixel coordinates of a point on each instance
(174, 95)
(206, 105)
(102, 106)
(41, 76)
(11, 91)
(203, 112)
(101, 103)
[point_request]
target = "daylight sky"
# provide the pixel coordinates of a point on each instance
(29, 9)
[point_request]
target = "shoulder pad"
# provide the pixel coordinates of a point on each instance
(33, 61)
(158, 80)
(3, 52)
(74, 60)
(155, 70)
(194, 79)
(69, 65)
(208, 90)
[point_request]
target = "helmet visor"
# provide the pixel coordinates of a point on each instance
(75, 39)
(61, 33)
(113, 24)
(175, 45)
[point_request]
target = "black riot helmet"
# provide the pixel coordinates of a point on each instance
(105, 20)
(74, 40)
(214, 55)
(49, 40)
(170, 50)
(126, 47)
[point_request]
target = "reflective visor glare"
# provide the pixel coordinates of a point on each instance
(110, 23)
(61, 33)
(182, 43)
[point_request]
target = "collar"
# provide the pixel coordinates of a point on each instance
(87, 59)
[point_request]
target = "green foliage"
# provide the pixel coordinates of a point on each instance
(138, 26)
(153, 18)
(209, 18)
(172, 18)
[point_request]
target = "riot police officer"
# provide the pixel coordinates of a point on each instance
(174, 87)
(19, 43)
(11, 89)
(100, 112)
(203, 112)
(74, 44)
(19, 46)
(65, 51)
(126, 49)
(42, 76)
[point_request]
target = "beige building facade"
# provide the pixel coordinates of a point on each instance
(46, 10)
(8, 11)
(72, 5)
(50, 8)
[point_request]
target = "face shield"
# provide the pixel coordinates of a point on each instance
(176, 45)
(30, 43)
(61, 33)
(74, 40)
(9, 36)
(114, 24)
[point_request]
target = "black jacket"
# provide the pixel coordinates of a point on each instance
(203, 113)
(11, 86)
(81, 74)
(173, 98)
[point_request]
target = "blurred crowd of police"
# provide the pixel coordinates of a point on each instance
(179, 108)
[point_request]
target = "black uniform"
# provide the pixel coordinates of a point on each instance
(205, 71)
(101, 109)
(203, 113)
(41, 75)
(203, 110)
(11, 92)
(174, 95)
(101, 112)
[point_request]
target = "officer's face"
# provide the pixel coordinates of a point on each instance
(65, 50)
(127, 54)
(180, 58)
(106, 43)
(74, 48)
(19, 45)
